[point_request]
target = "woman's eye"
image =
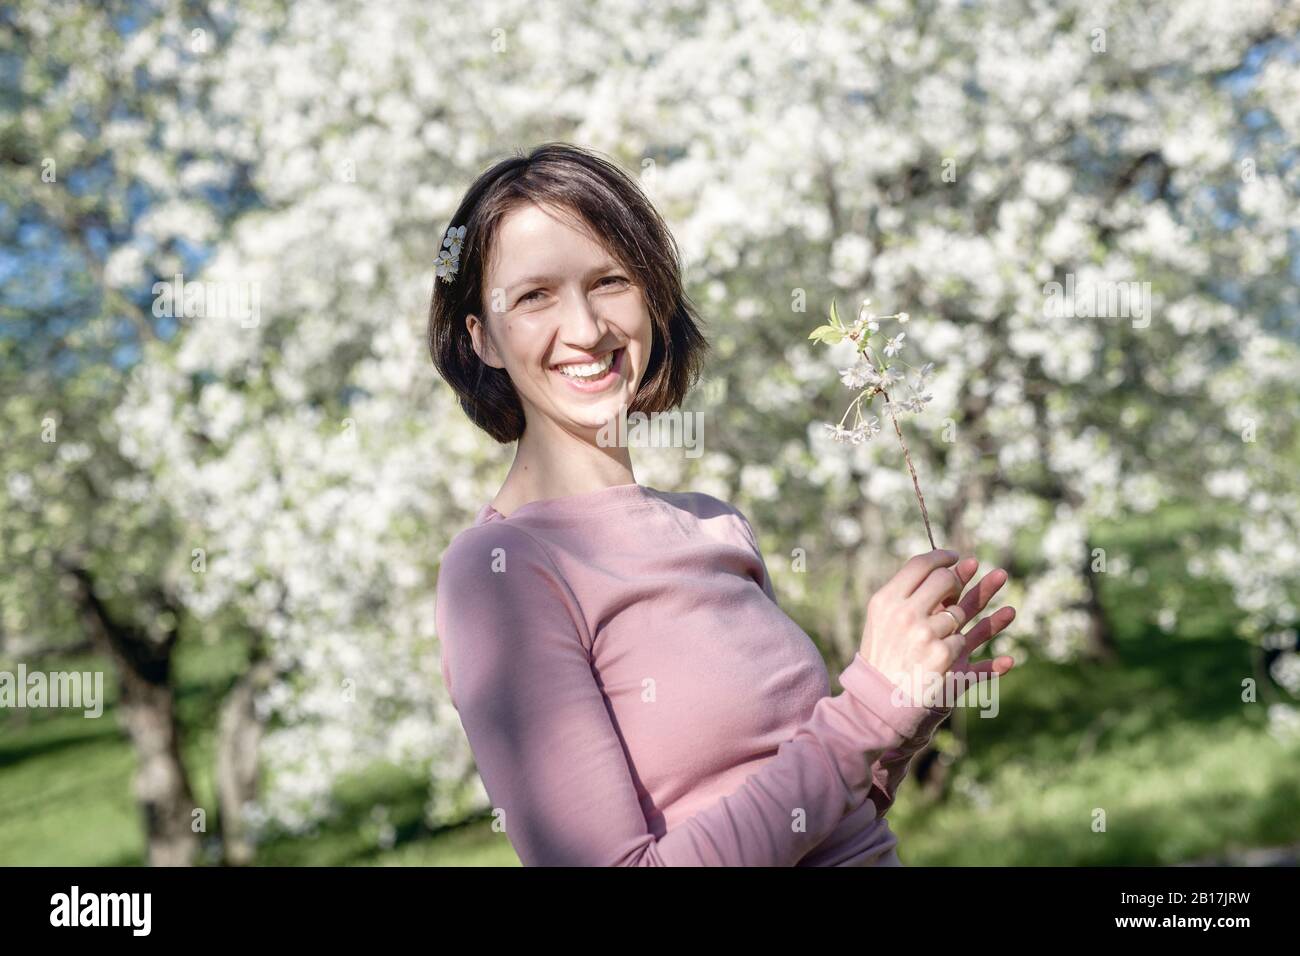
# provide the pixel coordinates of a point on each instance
(541, 292)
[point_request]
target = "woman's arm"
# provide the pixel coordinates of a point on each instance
(889, 771)
(516, 661)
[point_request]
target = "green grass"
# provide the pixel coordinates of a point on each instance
(66, 780)
(354, 838)
(1181, 768)
(65, 791)
(1161, 742)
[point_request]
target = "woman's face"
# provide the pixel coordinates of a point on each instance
(556, 299)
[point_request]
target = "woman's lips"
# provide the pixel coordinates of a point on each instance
(600, 384)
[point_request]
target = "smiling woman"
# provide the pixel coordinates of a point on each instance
(564, 239)
(632, 693)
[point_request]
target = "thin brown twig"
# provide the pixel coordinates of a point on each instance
(907, 456)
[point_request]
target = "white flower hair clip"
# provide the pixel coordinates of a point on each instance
(447, 262)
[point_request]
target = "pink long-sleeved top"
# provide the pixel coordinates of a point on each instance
(634, 696)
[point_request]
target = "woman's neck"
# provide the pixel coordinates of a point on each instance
(553, 463)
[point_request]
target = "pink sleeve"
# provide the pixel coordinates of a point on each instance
(516, 657)
(891, 769)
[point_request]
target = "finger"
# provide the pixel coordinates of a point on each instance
(987, 627)
(902, 584)
(975, 600)
(946, 622)
(943, 582)
(986, 669)
(955, 642)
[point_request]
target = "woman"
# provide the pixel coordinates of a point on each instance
(631, 692)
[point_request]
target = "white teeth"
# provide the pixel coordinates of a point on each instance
(590, 369)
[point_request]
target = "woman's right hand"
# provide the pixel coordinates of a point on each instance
(912, 630)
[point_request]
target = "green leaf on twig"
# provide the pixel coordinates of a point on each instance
(827, 334)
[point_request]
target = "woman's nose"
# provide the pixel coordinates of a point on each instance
(580, 326)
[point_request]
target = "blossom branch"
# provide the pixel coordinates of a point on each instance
(907, 457)
(875, 376)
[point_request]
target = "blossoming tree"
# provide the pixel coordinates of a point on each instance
(961, 161)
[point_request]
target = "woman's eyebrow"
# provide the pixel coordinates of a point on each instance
(546, 278)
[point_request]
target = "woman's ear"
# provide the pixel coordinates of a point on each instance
(482, 342)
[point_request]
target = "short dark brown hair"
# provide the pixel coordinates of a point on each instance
(615, 208)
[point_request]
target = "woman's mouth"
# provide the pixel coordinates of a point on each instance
(592, 376)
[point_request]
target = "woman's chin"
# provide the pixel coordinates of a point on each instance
(594, 421)
(597, 415)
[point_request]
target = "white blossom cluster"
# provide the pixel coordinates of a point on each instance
(873, 374)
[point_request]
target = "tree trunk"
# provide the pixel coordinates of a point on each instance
(1101, 640)
(148, 714)
(162, 785)
(239, 732)
(847, 613)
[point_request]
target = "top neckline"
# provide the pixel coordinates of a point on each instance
(579, 505)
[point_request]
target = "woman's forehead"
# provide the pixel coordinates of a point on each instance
(531, 244)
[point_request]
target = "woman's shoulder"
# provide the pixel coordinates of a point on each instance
(489, 547)
(701, 504)
(541, 546)
(712, 511)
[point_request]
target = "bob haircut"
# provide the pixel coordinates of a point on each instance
(614, 208)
